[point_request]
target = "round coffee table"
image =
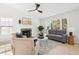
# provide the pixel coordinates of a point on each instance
(43, 44)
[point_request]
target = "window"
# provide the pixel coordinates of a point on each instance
(5, 26)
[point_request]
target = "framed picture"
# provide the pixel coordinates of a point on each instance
(64, 24)
(56, 24)
(26, 21)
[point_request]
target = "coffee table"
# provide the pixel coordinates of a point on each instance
(43, 43)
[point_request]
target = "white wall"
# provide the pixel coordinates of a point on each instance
(35, 23)
(9, 12)
(72, 19)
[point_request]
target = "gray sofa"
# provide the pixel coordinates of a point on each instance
(58, 35)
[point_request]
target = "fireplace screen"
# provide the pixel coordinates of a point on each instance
(26, 32)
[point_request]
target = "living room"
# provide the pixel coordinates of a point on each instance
(16, 17)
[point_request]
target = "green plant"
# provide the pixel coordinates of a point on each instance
(40, 28)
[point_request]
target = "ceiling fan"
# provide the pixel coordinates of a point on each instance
(37, 8)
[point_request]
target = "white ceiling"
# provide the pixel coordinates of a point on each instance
(49, 9)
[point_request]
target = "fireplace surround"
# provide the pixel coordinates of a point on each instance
(26, 32)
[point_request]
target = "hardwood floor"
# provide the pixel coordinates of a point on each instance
(5, 48)
(54, 48)
(64, 49)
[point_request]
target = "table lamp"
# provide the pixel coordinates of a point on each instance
(71, 31)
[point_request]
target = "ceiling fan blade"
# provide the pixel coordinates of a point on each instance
(36, 9)
(40, 11)
(31, 10)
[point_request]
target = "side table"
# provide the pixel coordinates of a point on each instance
(71, 40)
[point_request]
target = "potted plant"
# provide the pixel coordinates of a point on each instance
(41, 28)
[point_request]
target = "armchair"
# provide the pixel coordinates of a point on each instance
(23, 46)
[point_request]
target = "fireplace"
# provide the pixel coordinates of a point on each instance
(26, 32)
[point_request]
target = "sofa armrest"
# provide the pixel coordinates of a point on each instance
(36, 48)
(23, 38)
(20, 38)
(64, 36)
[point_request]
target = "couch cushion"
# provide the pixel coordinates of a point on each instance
(54, 35)
(60, 32)
(52, 31)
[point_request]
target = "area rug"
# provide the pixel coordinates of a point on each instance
(50, 45)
